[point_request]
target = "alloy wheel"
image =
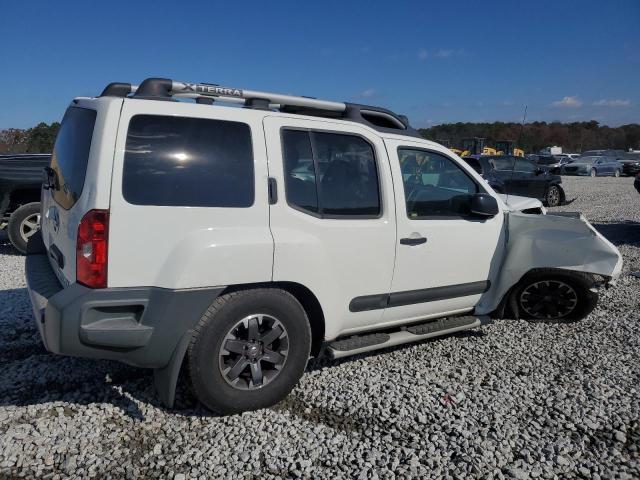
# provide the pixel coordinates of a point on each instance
(549, 299)
(253, 352)
(29, 226)
(554, 197)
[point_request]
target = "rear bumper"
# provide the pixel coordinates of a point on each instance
(630, 169)
(138, 326)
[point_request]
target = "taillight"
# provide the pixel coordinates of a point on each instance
(92, 247)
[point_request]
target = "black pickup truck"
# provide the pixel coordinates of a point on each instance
(20, 182)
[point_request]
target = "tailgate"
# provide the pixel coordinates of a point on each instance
(80, 178)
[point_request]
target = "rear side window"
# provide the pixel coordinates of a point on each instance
(505, 164)
(191, 162)
(330, 174)
(524, 166)
(71, 154)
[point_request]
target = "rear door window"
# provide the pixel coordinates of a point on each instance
(330, 174)
(191, 162)
(71, 154)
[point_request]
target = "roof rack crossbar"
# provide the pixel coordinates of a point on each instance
(205, 93)
(166, 88)
(208, 90)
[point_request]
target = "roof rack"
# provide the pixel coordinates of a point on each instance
(165, 89)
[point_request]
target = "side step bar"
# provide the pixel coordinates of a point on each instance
(375, 341)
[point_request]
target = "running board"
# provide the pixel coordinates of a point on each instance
(375, 341)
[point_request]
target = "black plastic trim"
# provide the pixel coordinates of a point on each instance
(116, 89)
(273, 191)
(410, 297)
(155, 89)
(140, 326)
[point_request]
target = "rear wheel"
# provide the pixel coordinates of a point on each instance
(23, 224)
(593, 172)
(249, 350)
(554, 296)
(553, 196)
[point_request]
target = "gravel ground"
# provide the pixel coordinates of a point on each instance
(515, 400)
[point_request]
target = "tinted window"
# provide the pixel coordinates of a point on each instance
(300, 178)
(330, 174)
(71, 154)
(525, 166)
(474, 163)
(434, 185)
(178, 161)
(502, 163)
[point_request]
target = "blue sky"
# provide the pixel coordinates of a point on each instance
(433, 61)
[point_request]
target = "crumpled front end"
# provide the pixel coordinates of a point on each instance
(559, 240)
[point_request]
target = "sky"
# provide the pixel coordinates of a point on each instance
(436, 62)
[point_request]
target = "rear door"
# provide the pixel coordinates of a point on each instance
(334, 219)
(528, 182)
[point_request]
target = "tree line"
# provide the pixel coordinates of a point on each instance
(572, 137)
(38, 139)
(532, 137)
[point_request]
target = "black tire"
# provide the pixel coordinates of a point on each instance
(20, 224)
(593, 172)
(554, 196)
(212, 386)
(578, 300)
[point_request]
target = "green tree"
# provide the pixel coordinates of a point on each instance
(42, 137)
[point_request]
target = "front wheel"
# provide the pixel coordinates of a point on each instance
(249, 350)
(553, 196)
(593, 172)
(23, 223)
(616, 173)
(554, 296)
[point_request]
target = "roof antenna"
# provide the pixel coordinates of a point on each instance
(524, 119)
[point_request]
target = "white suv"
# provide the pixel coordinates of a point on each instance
(245, 240)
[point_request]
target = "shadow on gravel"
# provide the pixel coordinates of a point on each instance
(622, 233)
(32, 376)
(5, 246)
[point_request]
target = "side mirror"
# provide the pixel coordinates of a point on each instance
(484, 205)
(539, 171)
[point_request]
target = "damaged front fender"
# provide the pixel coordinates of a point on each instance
(560, 240)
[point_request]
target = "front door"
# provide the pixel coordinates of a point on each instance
(443, 255)
(333, 222)
(529, 180)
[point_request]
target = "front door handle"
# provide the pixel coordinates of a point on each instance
(413, 241)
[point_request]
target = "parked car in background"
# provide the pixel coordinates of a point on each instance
(20, 182)
(553, 163)
(519, 176)
(603, 153)
(630, 163)
(593, 166)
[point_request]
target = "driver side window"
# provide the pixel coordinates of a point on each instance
(434, 185)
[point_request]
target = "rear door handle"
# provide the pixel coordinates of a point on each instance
(413, 241)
